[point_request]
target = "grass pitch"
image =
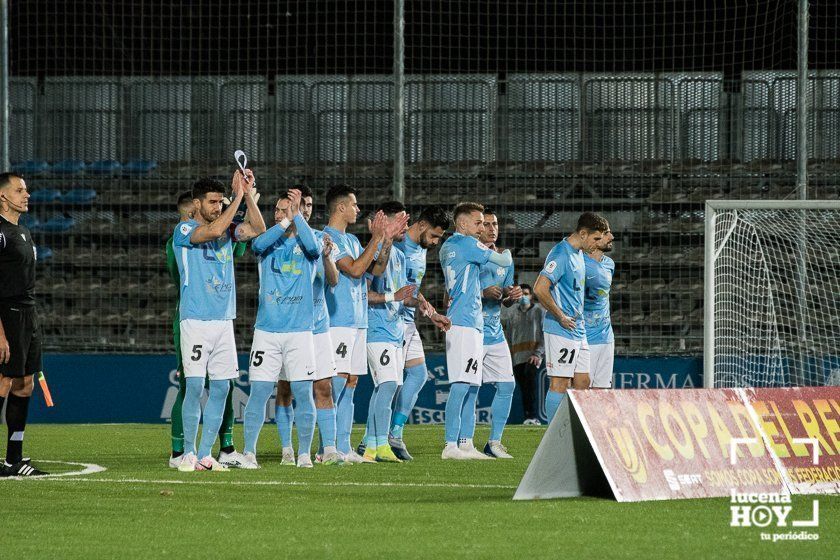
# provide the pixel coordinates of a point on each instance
(139, 508)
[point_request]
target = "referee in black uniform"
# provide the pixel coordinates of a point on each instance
(20, 335)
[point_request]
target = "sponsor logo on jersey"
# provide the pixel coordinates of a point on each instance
(551, 266)
(185, 229)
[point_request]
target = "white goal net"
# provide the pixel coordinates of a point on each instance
(772, 305)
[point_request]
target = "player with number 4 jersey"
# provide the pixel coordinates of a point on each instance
(462, 257)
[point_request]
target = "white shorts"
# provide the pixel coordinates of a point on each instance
(498, 365)
(565, 357)
(413, 344)
(349, 350)
(601, 366)
(464, 352)
(324, 361)
(209, 349)
(282, 356)
(386, 362)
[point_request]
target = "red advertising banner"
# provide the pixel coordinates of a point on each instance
(672, 444)
(796, 421)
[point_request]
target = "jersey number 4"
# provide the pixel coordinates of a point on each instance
(341, 350)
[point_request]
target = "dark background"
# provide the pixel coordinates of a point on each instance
(156, 37)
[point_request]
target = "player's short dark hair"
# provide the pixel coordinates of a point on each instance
(466, 208)
(6, 179)
(336, 193)
(526, 287)
(436, 216)
(590, 221)
(184, 198)
(207, 185)
(305, 191)
(490, 211)
(391, 207)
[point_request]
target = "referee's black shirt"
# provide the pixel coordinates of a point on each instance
(17, 264)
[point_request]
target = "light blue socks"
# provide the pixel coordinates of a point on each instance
(213, 411)
(255, 412)
(415, 378)
(384, 396)
(326, 426)
(500, 409)
(468, 414)
(343, 413)
(284, 416)
(552, 403)
(191, 411)
(454, 404)
(304, 415)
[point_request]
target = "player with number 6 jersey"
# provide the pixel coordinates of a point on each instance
(461, 257)
(388, 292)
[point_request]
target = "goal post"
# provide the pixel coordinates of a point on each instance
(772, 293)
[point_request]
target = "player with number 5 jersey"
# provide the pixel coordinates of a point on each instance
(560, 289)
(461, 257)
(208, 306)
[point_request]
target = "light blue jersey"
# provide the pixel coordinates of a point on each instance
(386, 323)
(494, 275)
(565, 269)
(415, 262)
(208, 288)
(287, 267)
(462, 258)
(596, 304)
(347, 301)
(322, 315)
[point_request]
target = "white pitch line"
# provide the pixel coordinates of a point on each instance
(89, 468)
(285, 483)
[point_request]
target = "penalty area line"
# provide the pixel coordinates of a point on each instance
(289, 483)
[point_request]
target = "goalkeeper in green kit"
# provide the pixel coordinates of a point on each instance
(228, 455)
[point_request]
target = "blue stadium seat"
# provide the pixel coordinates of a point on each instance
(44, 253)
(31, 167)
(57, 224)
(30, 221)
(68, 167)
(79, 196)
(140, 166)
(104, 167)
(45, 195)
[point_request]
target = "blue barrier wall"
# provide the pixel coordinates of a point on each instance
(141, 388)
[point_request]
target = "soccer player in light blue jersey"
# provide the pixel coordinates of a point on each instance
(347, 305)
(283, 347)
(498, 289)
(388, 292)
(462, 257)
(596, 312)
(204, 246)
(560, 289)
(422, 235)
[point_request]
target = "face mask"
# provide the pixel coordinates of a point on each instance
(524, 301)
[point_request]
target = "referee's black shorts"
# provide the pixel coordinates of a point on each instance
(23, 332)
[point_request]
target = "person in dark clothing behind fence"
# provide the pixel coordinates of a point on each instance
(522, 324)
